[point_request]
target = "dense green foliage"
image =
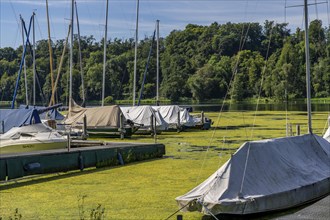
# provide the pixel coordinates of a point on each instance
(237, 61)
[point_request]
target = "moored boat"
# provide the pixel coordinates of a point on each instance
(34, 137)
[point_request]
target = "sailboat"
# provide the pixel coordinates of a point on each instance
(267, 175)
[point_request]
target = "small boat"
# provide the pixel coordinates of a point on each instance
(179, 118)
(265, 176)
(34, 137)
(102, 121)
(147, 117)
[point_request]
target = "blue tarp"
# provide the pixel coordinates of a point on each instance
(17, 117)
(52, 114)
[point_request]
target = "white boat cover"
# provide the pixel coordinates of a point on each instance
(143, 114)
(170, 113)
(279, 173)
(36, 135)
(106, 116)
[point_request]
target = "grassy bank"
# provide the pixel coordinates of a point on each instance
(147, 190)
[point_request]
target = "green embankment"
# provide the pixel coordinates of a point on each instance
(147, 190)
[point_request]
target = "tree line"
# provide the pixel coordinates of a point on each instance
(232, 60)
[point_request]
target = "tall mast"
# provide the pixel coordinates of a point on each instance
(50, 53)
(80, 59)
(71, 57)
(308, 86)
(135, 53)
(105, 52)
(24, 64)
(157, 83)
(34, 61)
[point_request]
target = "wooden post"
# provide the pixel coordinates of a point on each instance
(155, 130)
(84, 135)
(69, 139)
(152, 130)
(121, 126)
(298, 129)
(179, 123)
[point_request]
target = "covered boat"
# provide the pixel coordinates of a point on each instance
(105, 121)
(145, 116)
(265, 176)
(50, 116)
(32, 137)
(22, 131)
(10, 118)
(176, 117)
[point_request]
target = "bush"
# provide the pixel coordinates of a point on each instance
(109, 100)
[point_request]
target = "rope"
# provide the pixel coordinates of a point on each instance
(255, 115)
(177, 211)
(209, 211)
(230, 87)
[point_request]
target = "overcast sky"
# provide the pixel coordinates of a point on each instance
(173, 14)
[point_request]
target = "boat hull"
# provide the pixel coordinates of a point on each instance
(273, 203)
(33, 146)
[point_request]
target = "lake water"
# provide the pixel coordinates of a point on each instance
(316, 107)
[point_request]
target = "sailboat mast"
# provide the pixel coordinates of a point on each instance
(136, 46)
(34, 60)
(105, 52)
(308, 84)
(80, 58)
(71, 57)
(157, 83)
(24, 65)
(50, 53)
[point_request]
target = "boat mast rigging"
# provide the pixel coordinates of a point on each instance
(135, 51)
(308, 86)
(105, 52)
(50, 54)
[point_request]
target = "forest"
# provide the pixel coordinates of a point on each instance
(236, 61)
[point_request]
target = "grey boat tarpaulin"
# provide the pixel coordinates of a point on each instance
(265, 175)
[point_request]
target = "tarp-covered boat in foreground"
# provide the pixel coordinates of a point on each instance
(265, 176)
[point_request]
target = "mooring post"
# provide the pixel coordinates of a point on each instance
(121, 125)
(155, 130)
(69, 139)
(179, 123)
(298, 129)
(84, 127)
(152, 129)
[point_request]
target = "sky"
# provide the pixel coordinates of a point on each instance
(173, 15)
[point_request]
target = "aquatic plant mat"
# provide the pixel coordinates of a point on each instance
(147, 190)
